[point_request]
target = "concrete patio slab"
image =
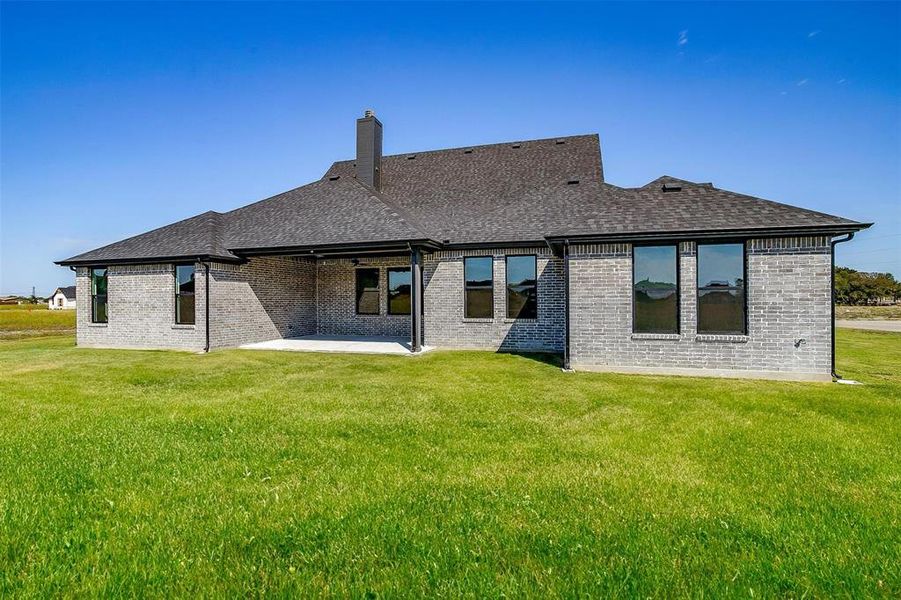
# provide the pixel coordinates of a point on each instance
(333, 343)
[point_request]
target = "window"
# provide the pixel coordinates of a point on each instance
(98, 295)
(721, 288)
(655, 289)
(522, 288)
(59, 302)
(399, 291)
(184, 294)
(367, 291)
(478, 286)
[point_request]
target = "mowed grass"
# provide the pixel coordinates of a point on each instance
(28, 320)
(130, 473)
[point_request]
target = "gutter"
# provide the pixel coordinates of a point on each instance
(148, 260)
(833, 244)
(697, 234)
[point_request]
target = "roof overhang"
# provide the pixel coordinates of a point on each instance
(338, 250)
(148, 260)
(556, 241)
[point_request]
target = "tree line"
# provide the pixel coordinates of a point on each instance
(856, 287)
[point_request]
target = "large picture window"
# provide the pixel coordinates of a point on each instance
(98, 295)
(522, 287)
(367, 291)
(721, 288)
(655, 289)
(399, 291)
(184, 294)
(478, 278)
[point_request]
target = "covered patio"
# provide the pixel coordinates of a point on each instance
(341, 343)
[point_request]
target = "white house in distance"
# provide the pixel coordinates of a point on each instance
(63, 298)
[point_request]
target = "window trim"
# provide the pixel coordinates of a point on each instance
(678, 330)
(744, 274)
(94, 295)
(178, 292)
(389, 270)
(377, 289)
(507, 285)
(466, 286)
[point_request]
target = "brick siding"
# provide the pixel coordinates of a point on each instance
(337, 304)
(787, 288)
(445, 326)
(788, 301)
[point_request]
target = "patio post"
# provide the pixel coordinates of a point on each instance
(416, 297)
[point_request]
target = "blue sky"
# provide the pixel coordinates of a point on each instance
(117, 118)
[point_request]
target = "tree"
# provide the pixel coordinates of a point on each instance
(855, 287)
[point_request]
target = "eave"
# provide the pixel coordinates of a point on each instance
(556, 241)
(149, 260)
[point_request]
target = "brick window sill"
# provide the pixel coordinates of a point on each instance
(657, 336)
(729, 339)
(507, 320)
(98, 324)
(478, 320)
(184, 326)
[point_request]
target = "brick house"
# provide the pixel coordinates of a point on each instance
(517, 246)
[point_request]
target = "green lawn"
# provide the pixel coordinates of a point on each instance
(130, 473)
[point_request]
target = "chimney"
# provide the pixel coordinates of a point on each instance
(369, 150)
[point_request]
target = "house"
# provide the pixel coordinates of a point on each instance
(520, 246)
(63, 298)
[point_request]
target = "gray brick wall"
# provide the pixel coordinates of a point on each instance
(141, 310)
(336, 292)
(266, 298)
(788, 300)
(445, 326)
(263, 299)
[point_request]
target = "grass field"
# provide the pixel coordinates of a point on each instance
(868, 312)
(28, 320)
(131, 473)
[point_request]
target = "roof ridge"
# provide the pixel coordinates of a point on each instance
(401, 212)
(477, 146)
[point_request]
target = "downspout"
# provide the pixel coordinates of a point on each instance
(206, 305)
(832, 244)
(566, 359)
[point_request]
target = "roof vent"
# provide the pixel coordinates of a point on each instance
(572, 182)
(467, 151)
(559, 141)
(411, 156)
(516, 145)
(333, 177)
(672, 187)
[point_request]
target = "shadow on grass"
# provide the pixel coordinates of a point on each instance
(548, 358)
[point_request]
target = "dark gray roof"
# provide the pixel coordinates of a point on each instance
(499, 193)
(68, 292)
(200, 236)
(690, 207)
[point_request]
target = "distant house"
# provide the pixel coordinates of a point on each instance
(519, 246)
(63, 298)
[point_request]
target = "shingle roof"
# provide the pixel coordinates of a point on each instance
(68, 292)
(690, 207)
(498, 193)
